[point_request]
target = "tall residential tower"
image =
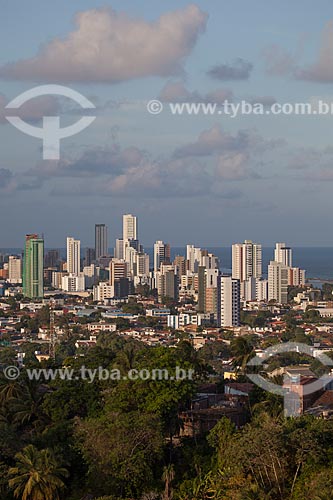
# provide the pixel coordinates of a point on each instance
(33, 267)
(101, 241)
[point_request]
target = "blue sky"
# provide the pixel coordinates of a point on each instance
(269, 178)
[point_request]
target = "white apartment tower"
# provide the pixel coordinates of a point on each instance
(161, 254)
(130, 231)
(73, 256)
(283, 254)
(278, 276)
(246, 260)
(14, 270)
(142, 264)
(193, 256)
(228, 301)
(130, 228)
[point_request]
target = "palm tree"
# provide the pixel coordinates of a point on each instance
(37, 475)
(10, 389)
(168, 476)
(242, 351)
(27, 407)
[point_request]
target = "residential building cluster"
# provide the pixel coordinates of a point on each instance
(194, 277)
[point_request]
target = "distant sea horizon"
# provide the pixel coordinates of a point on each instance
(317, 261)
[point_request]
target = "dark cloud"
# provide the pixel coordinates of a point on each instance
(92, 163)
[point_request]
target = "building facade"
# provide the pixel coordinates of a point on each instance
(33, 267)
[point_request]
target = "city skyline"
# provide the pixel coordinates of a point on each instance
(166, 259)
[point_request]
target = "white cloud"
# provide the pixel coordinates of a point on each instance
(110, 47)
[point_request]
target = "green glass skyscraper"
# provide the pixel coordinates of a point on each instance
(33, 267)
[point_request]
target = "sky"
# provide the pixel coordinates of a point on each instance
(210, 180)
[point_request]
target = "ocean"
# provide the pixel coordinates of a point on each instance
(317, 261)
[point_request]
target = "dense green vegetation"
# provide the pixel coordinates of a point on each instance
(118, 439)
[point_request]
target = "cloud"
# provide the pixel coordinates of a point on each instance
(234, 167)
(92, 163)
(128, 172)
(238, 70)
(202, 168)
(150, 179)
(322, 69)
(280, 62)
(110, 47)
(177, 92)
(33, 110)
(215, 141)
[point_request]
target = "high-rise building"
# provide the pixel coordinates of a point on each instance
(52, 258)
(228, 301)
(33, 267)
(262, 290)
(278, 277)
(246, 260)
(129, 227)
(167, 282)
(119, 249)
(14, 270)
(161, 254)
(283, 254)
(73, 256)
(142, 264)
(201, 288)
(101, 241)
(193, 257)
(296, 276)
(180, 265)
(89, 256)
(130, 231)
(118, 269)
(254, 289)
(210, 261)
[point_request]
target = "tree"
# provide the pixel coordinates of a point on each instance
(168, 476)
(242, 350)
(121, 450)
(37, 475)
(311, 315)
(219, 438)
